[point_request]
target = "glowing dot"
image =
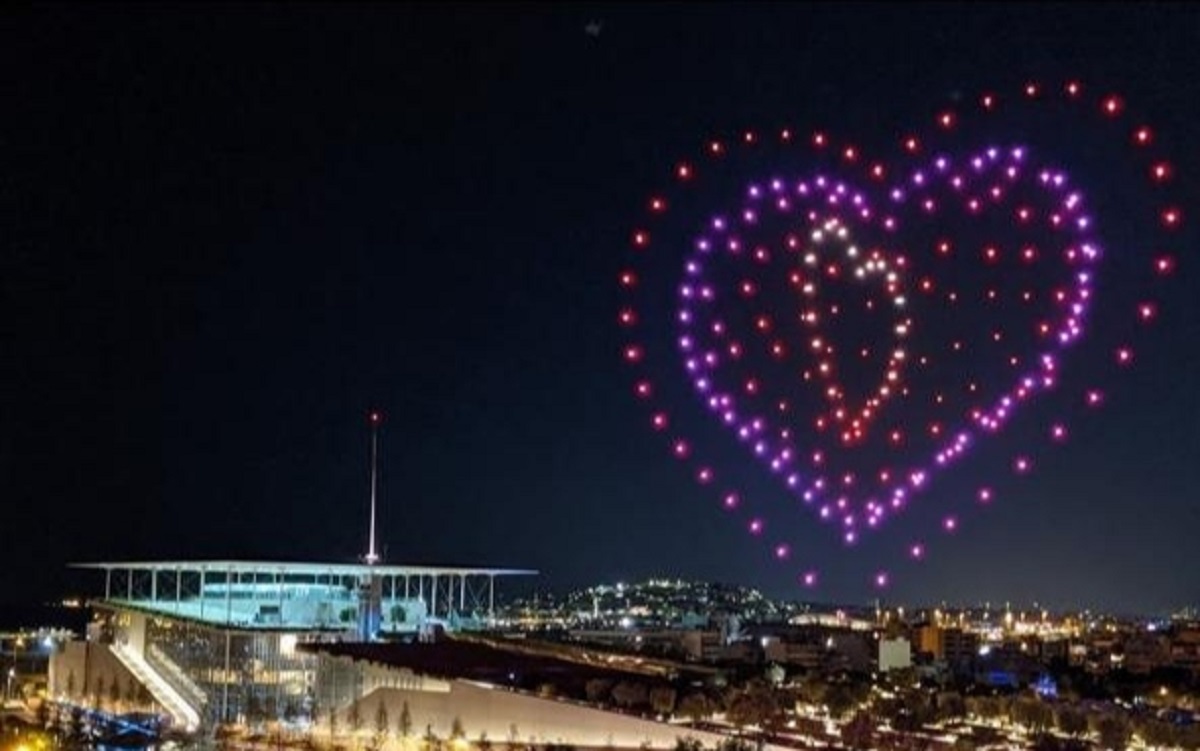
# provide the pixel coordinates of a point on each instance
(912, 145)
(681, 449)
(881, 579)
(785, 135)
(950, 524)
(756, 526)
(683, 171)
(628, 279)
(818, 139)
(633, 353)
(658, 204)
(1124, 355)
(730, 501)
(984, 495)
(641, 239)
(1094, 398)
(782, 552)
(1058, 432)
(1073, 88)
(987, 101)
(1171, 217)
(850, 154)
(1160, 171)
(946, 120)
(809, 578)
(1147, 311)
(1164, 265)
(1022, 464)
(1112, 105)
(1031, 89)
(917, 551)
(1143, 136)
(659, 421)
(627, 317)
(643, 389)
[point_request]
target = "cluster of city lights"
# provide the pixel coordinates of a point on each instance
(860, 326)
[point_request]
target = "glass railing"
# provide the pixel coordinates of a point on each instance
(170, 672)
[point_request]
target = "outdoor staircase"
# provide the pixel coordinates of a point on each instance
(182, 713)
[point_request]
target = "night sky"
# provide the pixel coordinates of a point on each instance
(226, 233)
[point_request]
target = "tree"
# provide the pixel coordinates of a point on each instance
(1070, 721)
(1158, 734)
(98, 690)
(695, 707)
(456, 730)
(859, 731)
(430, 739)
(1114, 732)
(76, 727)
(404, 721)
(688, 743)
(662, 700)
(628, 694)
(597, 689)
(1033, 714)
(812, 690)
(382, 722)
(753, 707)
(839, 700)
(1189, 737)
(950, 705)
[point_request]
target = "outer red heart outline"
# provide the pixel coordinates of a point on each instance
(1158, 172)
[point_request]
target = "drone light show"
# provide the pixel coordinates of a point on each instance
(859, 322)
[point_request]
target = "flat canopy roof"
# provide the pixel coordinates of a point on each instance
(305, 569)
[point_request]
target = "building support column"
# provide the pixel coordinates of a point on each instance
(228, 598)
(226, 679)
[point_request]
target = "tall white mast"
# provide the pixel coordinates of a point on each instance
(375, 418)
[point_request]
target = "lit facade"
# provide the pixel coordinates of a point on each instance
(215, 641)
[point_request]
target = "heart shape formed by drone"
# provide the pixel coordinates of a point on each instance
(860, 328)
(715, 350)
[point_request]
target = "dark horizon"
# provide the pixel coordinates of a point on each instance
(233, 231)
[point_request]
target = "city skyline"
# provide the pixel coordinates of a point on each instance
(236, 232)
